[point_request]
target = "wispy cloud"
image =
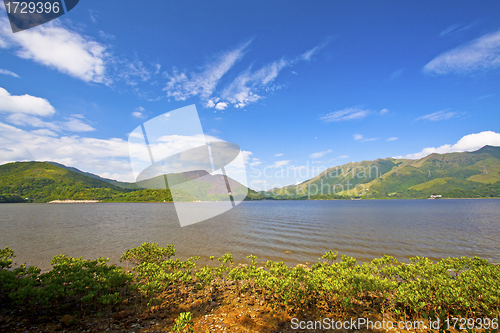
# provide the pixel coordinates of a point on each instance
(320, 154)
(279, 164)
(487, 96)
(73, 123)
(480, 54)
(396, 74)
(456, 28)
(439, 115)
(449, 30)
(93, 15)
(308, 55)
(360, 137)
(278, 155)
(469, 142)
(183, 85)
(346, 114)
(247, 87)
(131, 71)
(6, 72)
(344, 156)
(138, 112)
(392, 139)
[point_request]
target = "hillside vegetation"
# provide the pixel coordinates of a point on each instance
(47, 181)
(454, 175)
(44, 182)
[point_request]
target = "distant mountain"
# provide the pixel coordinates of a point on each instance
(42, 182)
(453, 175)
(199, 184)
(47, 181)
(91, 175)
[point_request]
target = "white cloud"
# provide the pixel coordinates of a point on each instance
(346, 114)
(6, 72)
(344, 156)
(392, 139)
(384, 111)
(22, 119)
(246, 158)
(26, 110)
(89, 154)
(243, 90)
(480, 54)
(44, 132)
(57, 47)
(73, 123)
(138, 112)
(360, 137)
(131, 72)
(439, 115)
(320, 154)
(221, 106)
(278, 155)
(279, 164)
(25, 104)
(469, 142)
(182, 86)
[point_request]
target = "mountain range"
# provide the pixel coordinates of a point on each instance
(453, 175)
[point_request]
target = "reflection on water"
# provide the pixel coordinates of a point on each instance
(364, 229)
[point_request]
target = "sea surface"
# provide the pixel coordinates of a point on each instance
(292, 231)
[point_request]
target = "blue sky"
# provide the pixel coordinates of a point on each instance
(297, 85)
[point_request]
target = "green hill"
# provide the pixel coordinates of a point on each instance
(454, 175)
(43, 182)
(47, 181)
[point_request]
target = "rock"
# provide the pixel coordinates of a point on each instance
(67, 320)
(213, 304)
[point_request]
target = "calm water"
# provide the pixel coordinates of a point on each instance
(364, 229)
